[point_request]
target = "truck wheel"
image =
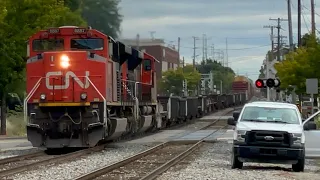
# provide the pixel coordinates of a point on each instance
(235, 163)
(299, 167)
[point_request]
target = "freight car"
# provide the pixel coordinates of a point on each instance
(84, 88)
(176, 109)
(243, 85)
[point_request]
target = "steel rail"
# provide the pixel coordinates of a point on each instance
(106, 169)
(152, 175)
(20, 157)
(56, 159)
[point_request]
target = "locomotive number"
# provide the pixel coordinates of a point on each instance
(54, 31)
(79, 30)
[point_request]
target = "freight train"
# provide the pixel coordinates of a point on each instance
(243, 85)
(84, 87)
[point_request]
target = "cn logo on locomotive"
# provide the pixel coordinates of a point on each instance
(83, 85)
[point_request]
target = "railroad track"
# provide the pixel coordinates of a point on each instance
(151, 163)
(18, 164)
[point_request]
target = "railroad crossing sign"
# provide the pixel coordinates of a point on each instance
(312, 86)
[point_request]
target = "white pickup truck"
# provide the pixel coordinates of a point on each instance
(271, 132)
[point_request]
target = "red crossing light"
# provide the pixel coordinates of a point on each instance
(259, 83)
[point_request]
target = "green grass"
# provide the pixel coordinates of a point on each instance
(317, 121)
(16, 126)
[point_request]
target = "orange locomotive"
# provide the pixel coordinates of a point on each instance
(84, 87)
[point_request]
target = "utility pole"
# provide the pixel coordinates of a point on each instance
(183, 63)
(194, 52)
(290, 25)
(138, 41)
(227, 57)
(299, 23)
(278, 27)
(206, 47)
(313, 22)
(212, 52)
(267, 69)
(179, 50)
(203, 47)
(267, 58)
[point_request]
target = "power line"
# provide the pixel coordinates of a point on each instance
(304, 20)
(194, 51)
(216, 37)
(310, 10)
(254, 47)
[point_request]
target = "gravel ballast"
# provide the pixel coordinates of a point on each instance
(212, 162)
(73, 169)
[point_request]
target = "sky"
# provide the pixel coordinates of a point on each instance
(235, 23)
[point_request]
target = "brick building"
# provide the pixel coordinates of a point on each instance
(168, 57)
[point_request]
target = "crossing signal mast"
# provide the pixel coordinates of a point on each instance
(268, 83)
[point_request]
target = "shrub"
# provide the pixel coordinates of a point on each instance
(16, 126)
(317, 121)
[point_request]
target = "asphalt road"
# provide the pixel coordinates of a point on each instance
(14, 144)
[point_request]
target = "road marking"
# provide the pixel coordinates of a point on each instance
(225, 138)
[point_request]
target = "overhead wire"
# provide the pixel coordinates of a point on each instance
(254, 47)
(303, 16)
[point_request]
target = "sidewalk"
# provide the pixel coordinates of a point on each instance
(4, 137)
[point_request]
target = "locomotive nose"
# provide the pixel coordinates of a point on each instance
(64, 60)
(65, 75)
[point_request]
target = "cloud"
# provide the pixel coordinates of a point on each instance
(241, 21)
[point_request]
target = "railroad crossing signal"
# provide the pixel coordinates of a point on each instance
(209, 83)
(185, 87)
(203, 83)
(271, 83)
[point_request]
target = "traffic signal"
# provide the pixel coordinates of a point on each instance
(259, 83)
(271, 83)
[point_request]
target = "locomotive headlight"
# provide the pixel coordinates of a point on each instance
(64, 61)
(42, 96)
(83, 96)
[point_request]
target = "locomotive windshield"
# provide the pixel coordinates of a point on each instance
(87, 44)
(48, 45)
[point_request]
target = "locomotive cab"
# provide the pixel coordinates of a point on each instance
(79, 90)
(65, 82)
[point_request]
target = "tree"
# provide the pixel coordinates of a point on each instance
(300, 65)
(220, 73)
(172, 81)
(192, 76)
(102, 15)
(19, 20)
